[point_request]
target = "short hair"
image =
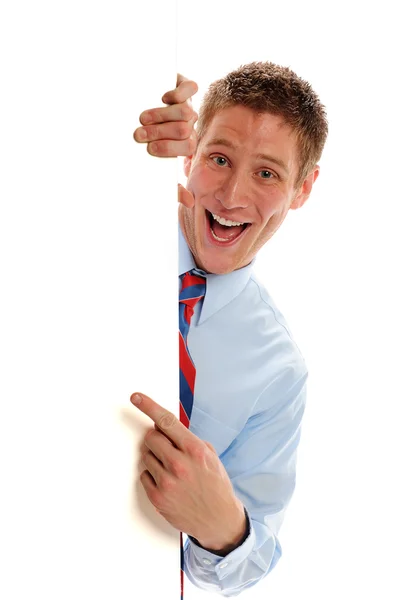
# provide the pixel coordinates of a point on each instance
(269, 88)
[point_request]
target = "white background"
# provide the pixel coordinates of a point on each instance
(88, 251)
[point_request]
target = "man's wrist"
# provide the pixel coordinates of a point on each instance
(236, 542)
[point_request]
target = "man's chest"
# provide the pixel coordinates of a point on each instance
(232, 371)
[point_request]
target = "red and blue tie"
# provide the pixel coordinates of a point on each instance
(192, 291)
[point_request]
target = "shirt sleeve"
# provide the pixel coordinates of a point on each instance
(261, 463)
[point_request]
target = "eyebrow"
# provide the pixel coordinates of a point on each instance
(219, 141)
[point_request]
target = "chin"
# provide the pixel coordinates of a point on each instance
(218, 267)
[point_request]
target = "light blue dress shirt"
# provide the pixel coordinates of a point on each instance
(249, 399)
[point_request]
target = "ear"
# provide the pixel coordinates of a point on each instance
(187, 165)
(305, 189)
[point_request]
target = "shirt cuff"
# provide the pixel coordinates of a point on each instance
(225, 565)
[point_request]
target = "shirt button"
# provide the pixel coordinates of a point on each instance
(206, 561)
(223, 565)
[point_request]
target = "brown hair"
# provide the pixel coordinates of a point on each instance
(266, 87)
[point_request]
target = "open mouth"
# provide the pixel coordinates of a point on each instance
(223, 235)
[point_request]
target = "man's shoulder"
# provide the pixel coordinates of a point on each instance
(284, 367)
(260, 300)
(270, 327)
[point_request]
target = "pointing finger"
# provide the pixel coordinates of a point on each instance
(166, 421)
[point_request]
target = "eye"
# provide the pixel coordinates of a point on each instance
(219, 158)
(268, 174)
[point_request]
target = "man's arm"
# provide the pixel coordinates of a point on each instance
(261, 465)
(186, 482)
(204, 495)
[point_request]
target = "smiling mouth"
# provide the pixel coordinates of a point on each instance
(225, 233)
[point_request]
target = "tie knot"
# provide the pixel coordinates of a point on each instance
(193, 290)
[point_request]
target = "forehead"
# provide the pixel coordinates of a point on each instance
(254, 133)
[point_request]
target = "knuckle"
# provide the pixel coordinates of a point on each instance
(156, 499)
(178, 469)
(156, 116)
(166, 483)
(186, 112)
(196, 450)
(148, 434)
(152, 132)
(167, 420)
(183, 129)
(190, 87)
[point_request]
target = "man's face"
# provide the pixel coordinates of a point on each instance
(244, 170)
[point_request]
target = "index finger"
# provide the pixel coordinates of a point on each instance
(165, 420)
(174, 112)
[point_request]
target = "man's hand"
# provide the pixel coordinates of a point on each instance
(187, 483)
(169, 131)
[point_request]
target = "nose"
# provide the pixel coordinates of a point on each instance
(233, 192)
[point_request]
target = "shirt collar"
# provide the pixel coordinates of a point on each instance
(220, 289)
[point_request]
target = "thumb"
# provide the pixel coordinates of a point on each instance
(185, 197)
(180, 78)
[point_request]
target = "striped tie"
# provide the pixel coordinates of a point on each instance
(193, 290)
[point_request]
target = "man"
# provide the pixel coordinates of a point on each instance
(227, 480)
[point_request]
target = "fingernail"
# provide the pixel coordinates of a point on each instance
(153, 147)
(136, 399)
(142, 134)
(146, 118)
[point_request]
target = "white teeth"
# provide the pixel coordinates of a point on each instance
(218, 238)
(225, 221)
